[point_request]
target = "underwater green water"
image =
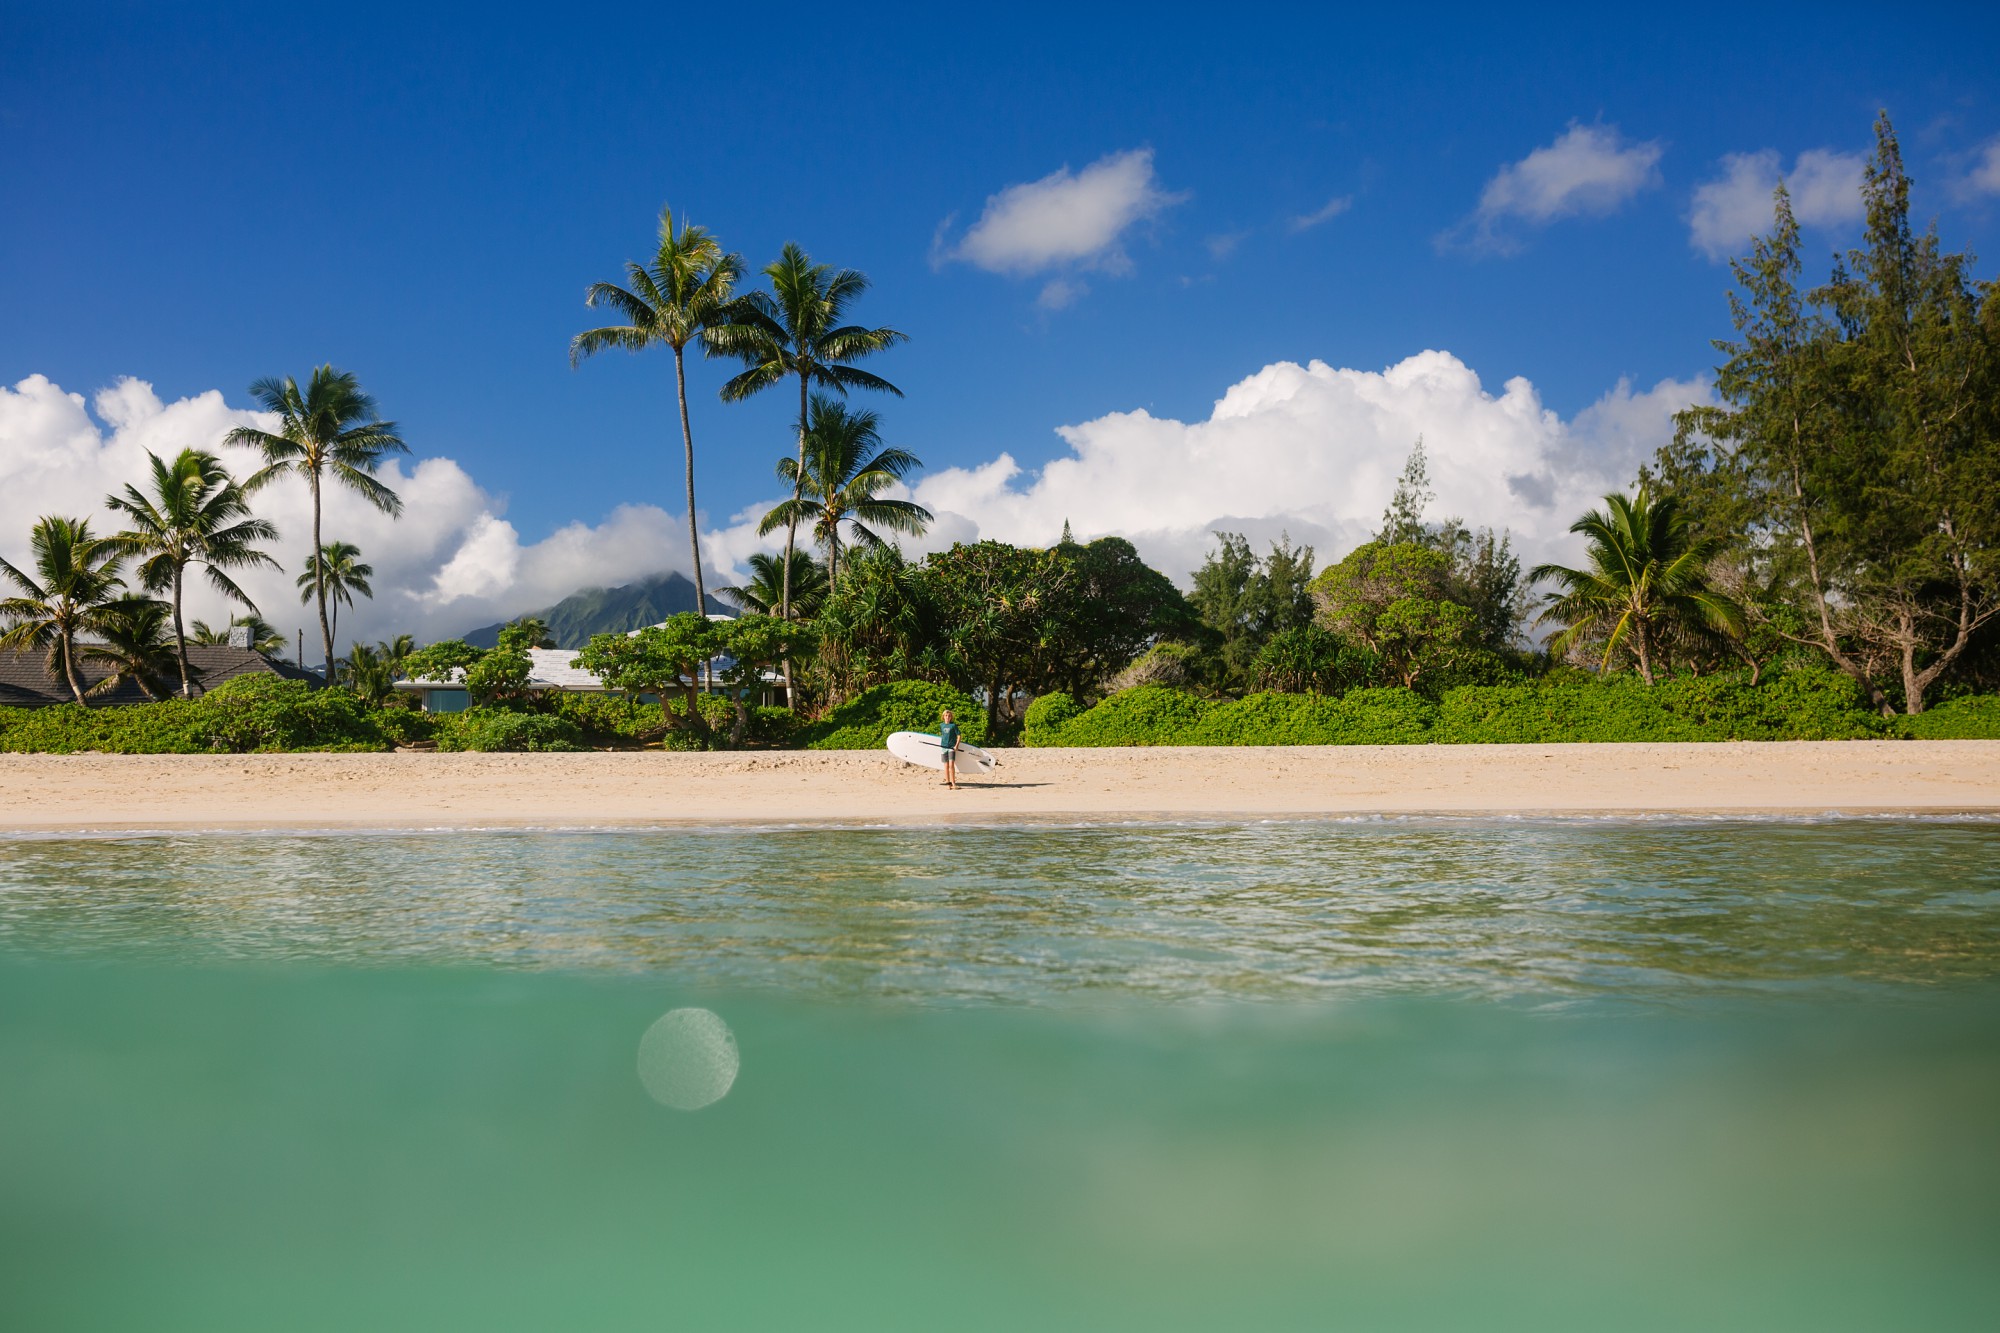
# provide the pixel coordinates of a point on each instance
(1371, 1074)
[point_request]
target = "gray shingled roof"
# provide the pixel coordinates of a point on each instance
(26, 683)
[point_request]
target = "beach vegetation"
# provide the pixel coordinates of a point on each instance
(866, 721)
(192, 512)
(329, 433)
(1646, 590)
(74, 581)
(684, 296)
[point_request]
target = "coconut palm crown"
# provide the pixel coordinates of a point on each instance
(846, 471)
(687, 294)
(334, 574)
(795, 331)
(191, 513)
(136, 647)
(1646, 587)
(328, 432)
(767, 581)
(74, 582)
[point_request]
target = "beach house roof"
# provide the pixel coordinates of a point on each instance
(25, 681)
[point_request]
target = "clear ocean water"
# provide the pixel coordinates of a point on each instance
(1370, 1074)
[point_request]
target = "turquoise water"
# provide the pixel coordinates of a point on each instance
(1366, 1074)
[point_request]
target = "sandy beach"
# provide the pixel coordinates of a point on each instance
(407, 790)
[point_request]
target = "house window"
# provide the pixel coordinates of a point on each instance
(447, 701)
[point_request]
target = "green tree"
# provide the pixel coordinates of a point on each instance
(192, 513)
(1646, 589)
(135, 645)
(333, 576)
(1114, 609)
(686, 295)
(881, 624)
(1000, 607)
(659, 659)
(327, 432)
(847, 469)
(764, 592)
(1245, 600)
(367, 672)
(796, 332)
(1393, 599)
(443, 662)
(1858, 448)
(754, 645)
(76, 578)
(1309, 660)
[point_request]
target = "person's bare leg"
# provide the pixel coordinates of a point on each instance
(951, 772)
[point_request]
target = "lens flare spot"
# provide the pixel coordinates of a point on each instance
(688, 1059)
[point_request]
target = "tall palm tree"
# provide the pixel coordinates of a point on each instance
(767, 581)
(687, 294)
(334, 575)
(75, 579)
(329, 431)
(136, 646)
(196, 514)
(795, 331)
(1647, 585)
(846, 470)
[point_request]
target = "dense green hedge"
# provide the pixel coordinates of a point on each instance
(866, 721)
(501, 729)
(244, 715)
(1809, 704)
(1972, 719)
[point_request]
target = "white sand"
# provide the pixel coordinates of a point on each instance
(133, 792)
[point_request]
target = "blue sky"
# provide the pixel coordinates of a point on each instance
(421, 196)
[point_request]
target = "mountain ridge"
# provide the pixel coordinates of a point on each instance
(589, 611)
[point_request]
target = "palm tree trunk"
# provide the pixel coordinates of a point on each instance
(792, 535)
(687, 441)
(319, 587)
(792, 526)
(180, 635)
(69, 670)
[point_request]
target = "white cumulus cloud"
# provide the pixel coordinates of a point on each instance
(1735, 206)
(1591, 170)
(1313, 451)
(450, 563)
(1984, 175)
(1066, 219)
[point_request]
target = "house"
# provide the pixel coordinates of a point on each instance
(25, 681)
(552, 669)
(548, 669)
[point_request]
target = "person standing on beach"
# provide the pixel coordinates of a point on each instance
(948, 747)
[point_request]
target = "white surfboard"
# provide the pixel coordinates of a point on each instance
(918, 747)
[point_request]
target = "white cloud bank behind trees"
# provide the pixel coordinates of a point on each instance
(1305, 449)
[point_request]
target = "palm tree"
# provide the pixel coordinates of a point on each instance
(394, 651)
(687, 294)
(76, 577)
(195, 515)
(334, 575)
(765, 589)
(846, 471)
(264, 637)
(368, 672)
(328, 431)
(796, 331)
(136, 646)
(1647, 586)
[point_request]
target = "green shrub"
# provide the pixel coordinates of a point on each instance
(168, 727)
(1975, 718)
(1813, 704)
(1147, 715)
(502, 729)
(264, 713)
(866, 721)
(1386, 716)
(407, 726)
(1046, 718)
